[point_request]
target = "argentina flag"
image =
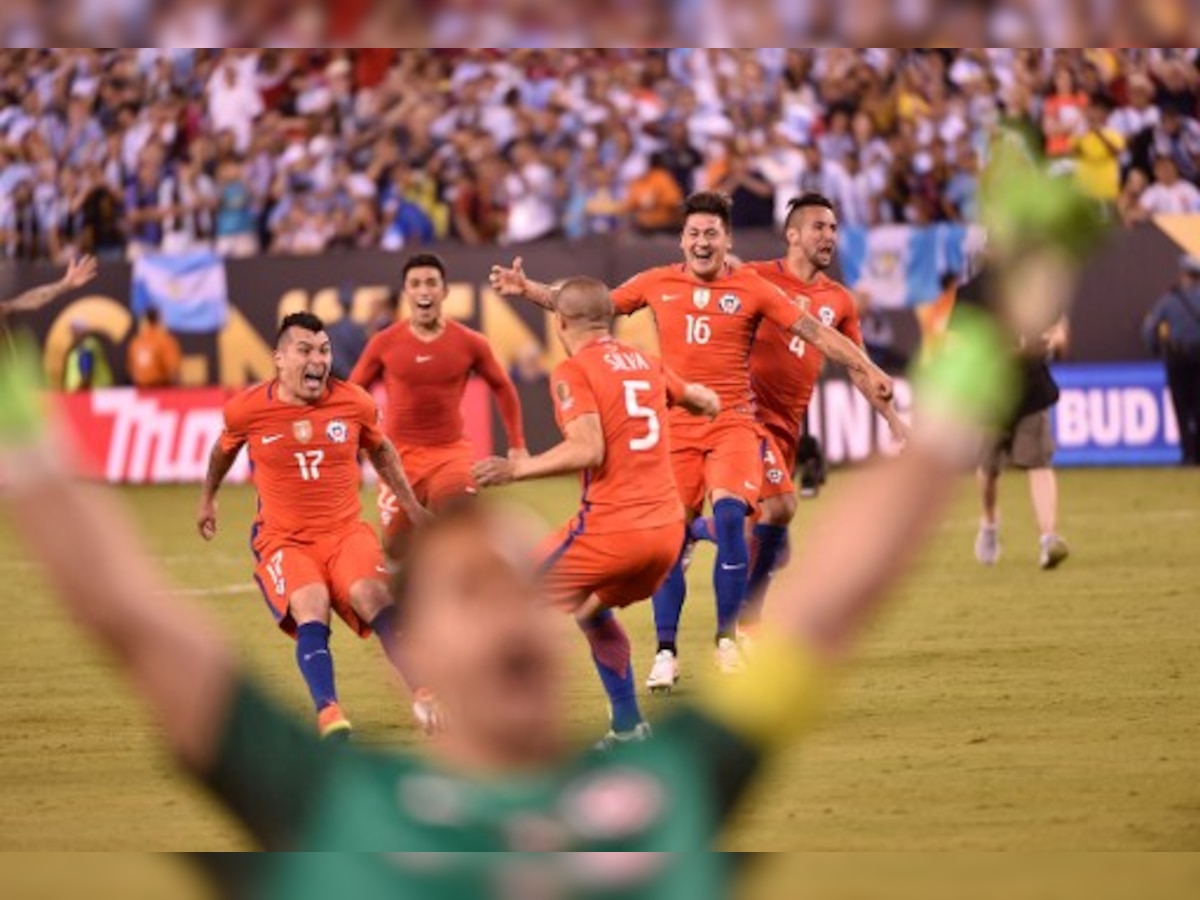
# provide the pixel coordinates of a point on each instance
(903, 265)
(188, 289)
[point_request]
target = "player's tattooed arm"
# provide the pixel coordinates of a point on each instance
(386, 460)
(511, 281)
(886, 408)
(220, 461)
(79, 272)
(867, 376)
(583, 449)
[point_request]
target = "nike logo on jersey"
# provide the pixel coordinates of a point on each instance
(749, 486)
(270, 439)
(667, 298)
(424, 359)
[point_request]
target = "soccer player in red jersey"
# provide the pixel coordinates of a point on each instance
(611, 404)
(707, 312)
(784, 372)
(314, 553)
(425, 363)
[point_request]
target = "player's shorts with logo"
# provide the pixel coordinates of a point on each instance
(723, 455)
(779, 461)
(619, 567)
(437, 474)
(338, 561)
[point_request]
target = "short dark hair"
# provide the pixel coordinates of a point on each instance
(710, 203)
(305, 320)
(152, 315)
(423, 261)
(806, 201)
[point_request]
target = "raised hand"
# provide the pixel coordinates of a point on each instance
(509, 281)
(80, 271)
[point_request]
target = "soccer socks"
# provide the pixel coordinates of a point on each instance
(770, 550)
(384, 629)
(668, 605)
(702, 529)
(612, 654)
(730, 576)
(316, 662)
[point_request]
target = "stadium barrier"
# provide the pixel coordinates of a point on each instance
(1109, 415)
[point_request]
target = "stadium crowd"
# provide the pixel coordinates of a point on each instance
(122, 151)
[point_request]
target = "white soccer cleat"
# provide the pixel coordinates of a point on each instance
(1054, 552)
(987, 545)
(664, 674)
(614, 739)
(729, 657)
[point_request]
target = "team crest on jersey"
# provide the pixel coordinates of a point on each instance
(302, 431)
(565, 400)
(729, 304)
(827, 316)
(701, 296)
(336, 431)
(775, 476)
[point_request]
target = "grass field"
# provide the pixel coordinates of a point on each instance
(1004, 709)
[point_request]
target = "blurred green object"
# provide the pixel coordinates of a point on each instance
(973, 375)
(22, 405)
(1024, 208)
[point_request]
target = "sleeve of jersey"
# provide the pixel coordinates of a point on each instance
(851, 327)
(676, 386)
(234, 435)
(631, 296)
(777, 306)
(368, 369)
(269, 771)
(573, 396)
(370, 421)
(507, 401)
(739, 722)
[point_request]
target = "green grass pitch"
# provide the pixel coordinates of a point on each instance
(1002, 709)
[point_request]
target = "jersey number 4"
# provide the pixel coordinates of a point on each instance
(797, 346)
(310, 464)
(635, 409)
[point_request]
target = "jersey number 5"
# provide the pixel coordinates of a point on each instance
(310, 464)
(637, 411)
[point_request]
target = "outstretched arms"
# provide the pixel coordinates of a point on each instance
(582, 448)
(79, 272)
(511, 281)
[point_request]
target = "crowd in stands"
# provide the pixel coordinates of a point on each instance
(125, 151)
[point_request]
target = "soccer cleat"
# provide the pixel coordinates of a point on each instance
(987, 545)
(615, 739)
(664, 674)
(747, 640)
(729, 657)
(427, 712)
(332, 724)
(1054, 552)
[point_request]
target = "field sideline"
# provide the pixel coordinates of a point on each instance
(992, 710)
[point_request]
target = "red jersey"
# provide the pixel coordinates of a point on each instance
(304, 459)
(706, 328)
(783, 368)
(425, 382)
(634, 487)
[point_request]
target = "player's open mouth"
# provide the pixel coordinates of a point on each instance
(424, 305)
(314, 380)
(703, 255)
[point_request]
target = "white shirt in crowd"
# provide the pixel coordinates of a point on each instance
(1180, 197)
(531, 212)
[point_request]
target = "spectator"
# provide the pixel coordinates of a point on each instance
(478, 212)
(406, 223)
(153, 357)
(1063, 114)
(1177, 137)
(144, 209)
(961, 193)
(1169, 194)
(679, 157)
(101, 215)
(346, 336)
(1129, 203)
(1098, 150)
(1172, 332)
(235, 222)
(23, 233)
(86, 367)
(604, 204)
(654, 200)
(189, 198)
(531, 192)
(753, 196)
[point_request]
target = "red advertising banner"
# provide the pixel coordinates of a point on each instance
(130, 436)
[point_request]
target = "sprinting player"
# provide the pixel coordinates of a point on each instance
(784, 371)
(425, 363)
(503, 778)
(314, 553)
(707, 312)
(611, 404)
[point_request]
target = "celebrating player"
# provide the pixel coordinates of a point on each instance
(784, 372)
(314, 553)
(610, 401)
(501, 779)
(706, 313)
(425, 363)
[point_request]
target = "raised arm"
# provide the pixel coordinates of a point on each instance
(512, 281)
(102, 575)
(582, 448)
(79, 272)
(386, 460)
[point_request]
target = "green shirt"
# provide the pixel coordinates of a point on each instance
(423, 828)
